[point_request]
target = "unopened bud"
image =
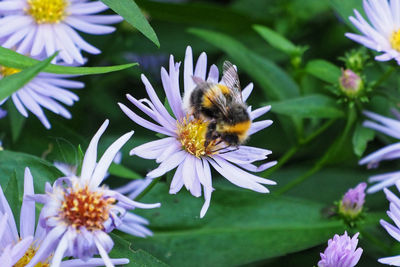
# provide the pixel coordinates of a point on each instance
(350, 83)
(352, 202)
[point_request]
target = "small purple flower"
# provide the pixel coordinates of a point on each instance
(384, 33)
(41, 27)
(393, 230)
(341, 251)
(350, 83)
(352, 202)
(183, 147)
(389, 127)
(78, 213)
(45, 90)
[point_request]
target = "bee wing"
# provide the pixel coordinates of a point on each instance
(231, 80)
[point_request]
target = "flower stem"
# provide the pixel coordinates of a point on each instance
(148, 188)
(332, 150)
(384, 77)
(288, 155)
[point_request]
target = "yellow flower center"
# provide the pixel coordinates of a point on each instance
(7, 71)
(192, 135)
(47, 11)
(395, 40)
(84, 208)
(27, 258)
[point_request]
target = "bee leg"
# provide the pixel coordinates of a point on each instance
(236, 148)
(211, 133)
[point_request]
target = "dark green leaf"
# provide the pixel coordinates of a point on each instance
(311, 106)
(345, 8)
(17, 121)
(361, 137)
(11, 58)
(123, 172)
(132, 14)
(139, 258)
(42, 171)
(12, 83)
(11, 193)
(276, 40)
(324, 70)
(240, 226)
(277, 84)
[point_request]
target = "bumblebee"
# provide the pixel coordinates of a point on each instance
(223, 107)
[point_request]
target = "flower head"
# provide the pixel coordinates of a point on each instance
(350, 83)
(393, 230)
(353, 201)
(383, 34)
(78, 213)
(389, 127)
(45, 90)
(41, 27)
(184, 147)
(341, 251)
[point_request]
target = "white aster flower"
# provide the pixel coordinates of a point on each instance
(183, 148)
(45, 90)
(389, 127)
(383, 34)
(78, 213)
(41, 27)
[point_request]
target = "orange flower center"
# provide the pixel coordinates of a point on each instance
(84, 208)
(192, 135)
(27, 258)
(7, 71)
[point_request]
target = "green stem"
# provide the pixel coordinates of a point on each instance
(288, 155)
(148, 188)
(332, 150)
(385, 76)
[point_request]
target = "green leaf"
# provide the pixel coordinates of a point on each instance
(361, 137)
(132, 14)
(123, 172)
(17, 121)
(345, 9)
(240, 227)
(10, 58)
(42, 171)
(324, 70)
(311, 106)
(12, 83)
(11, 193)
(139, 258)
(276, 40)
(277, 84)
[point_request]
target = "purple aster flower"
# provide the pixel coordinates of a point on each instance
(45, 90)
(78, 213)
(384, 33)
(389, 127)
(183, 147)
(394, 231)
(41, 27)
(341, 251)
(353, 201)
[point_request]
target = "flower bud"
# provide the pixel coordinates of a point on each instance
(352, 202)
(350, 83)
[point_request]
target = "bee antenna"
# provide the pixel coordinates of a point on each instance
(197, 80)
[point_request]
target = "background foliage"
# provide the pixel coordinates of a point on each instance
(290, 49)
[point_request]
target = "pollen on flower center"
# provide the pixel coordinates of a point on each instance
(395, 40)
(7, 71)
(192, 135)
(27, 258)
(84, 208)
(47, 11)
